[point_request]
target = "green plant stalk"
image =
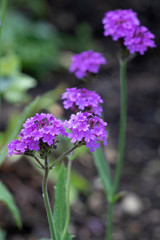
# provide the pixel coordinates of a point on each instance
(110, 220)
(47, 203)
(3, 12)
(58, 160)
(67, 199)
(118, 172)
(2, 16)
(122, 125)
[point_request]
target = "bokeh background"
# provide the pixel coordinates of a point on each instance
(39, 38)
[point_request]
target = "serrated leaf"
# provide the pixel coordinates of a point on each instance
(7, 198)
(59, 212)
(27, 111)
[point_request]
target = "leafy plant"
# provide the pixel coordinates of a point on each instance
(27, 111)
(83, 39)
(39, 41)
(7, 198)
(14, 84)
(60, 207)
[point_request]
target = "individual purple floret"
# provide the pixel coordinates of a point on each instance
(140, 40)
(84, 62)
(82, 99)
(87, 129)
(38, 133)
(120, 23)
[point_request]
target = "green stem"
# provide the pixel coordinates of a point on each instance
(67, 199)
(38, 161)
(121, 147)
(110, 221)
(47, 203)
(58, 160)
(122, 125)
(2, 16)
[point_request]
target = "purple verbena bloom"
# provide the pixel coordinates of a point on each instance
(87, 129)
(37, 131)
(140, 40)
(87, 61)
(82, 99)
(120, 23)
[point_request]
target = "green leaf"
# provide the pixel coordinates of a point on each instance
(79, 182)
(27, 111)
(14, 88)
(59, 212)
(7, 198)
(10, 65)
(50, 97)
(4, 136)
(103, 171)
(23, 82)
(119, 196)
(44, 239)
(2, 234)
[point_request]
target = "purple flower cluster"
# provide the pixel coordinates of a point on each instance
(140, 40)
(120, 23)
(124, 24)
(87, 129)
(38, 130)
(82, 99)
(88, 61)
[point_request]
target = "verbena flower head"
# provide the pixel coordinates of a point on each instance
(38, 134)
(140, 40)
(87, 61)
(87, 129)
(82, 99)
(120, 23)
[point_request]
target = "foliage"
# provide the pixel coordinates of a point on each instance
(6, 197)
(14, 84)
(16, 120)
(60, 202)
(103, 171)
(39, 46)
(39, 8)
(82, 40)
(2, 234)
(35, 43)
(27, 111)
